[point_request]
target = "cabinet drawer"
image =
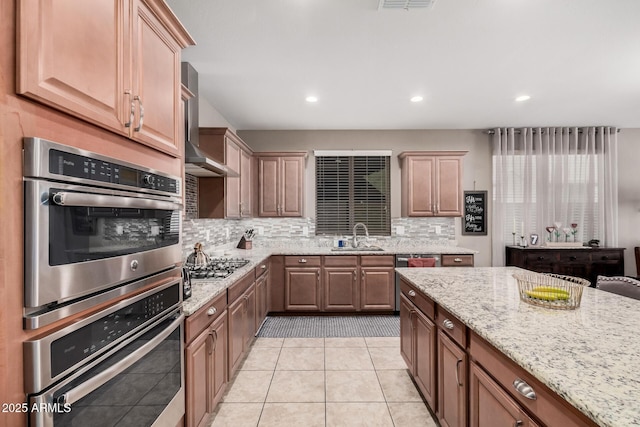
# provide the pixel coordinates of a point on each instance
(341, 261)
(238, 288)
(450, 260)
(420, 300)
(548, 406)
(578, 256)
(451, 326)
(377, 261)
(603, 256)
(202, 318)
(262, 268)
(302, 261)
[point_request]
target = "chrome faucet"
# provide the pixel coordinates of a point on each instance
(355, 242)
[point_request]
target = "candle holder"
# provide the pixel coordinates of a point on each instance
(514, 238)
(523, 243)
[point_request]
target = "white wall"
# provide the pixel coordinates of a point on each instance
(209, 117)
(629, 195)
(476, 163)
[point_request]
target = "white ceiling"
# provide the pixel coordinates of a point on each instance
(579, 60)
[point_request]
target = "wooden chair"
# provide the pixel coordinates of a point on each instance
(637, 250)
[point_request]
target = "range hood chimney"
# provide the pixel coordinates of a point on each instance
(197, 162)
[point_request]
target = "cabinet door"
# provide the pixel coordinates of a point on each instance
(406, 331)
(71, 55)
(250, 319)
(291, 186)
(377, 288)
(448, 186)
(490, 406)
(219, 360)
(425, 357)
(232, 184)
(452, 380)
(419, 188)
(237, 314)
(302, 289)
(198, 371)
(340, 289)
(262, 295)
(268, 191)
(156, 82)
(246, 181)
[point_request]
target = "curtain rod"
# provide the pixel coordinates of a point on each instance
(518, 131)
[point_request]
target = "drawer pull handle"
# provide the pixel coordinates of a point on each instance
(457, 374)
(448, 324)
(572, 258)
(212, 311)
(457, 260)
(517, 423)
(412, 293)
(605, 257)
(540, 258)
(524, 389)
(302, 260)
(263, 266)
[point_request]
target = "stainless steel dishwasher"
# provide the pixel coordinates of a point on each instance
(402, 260)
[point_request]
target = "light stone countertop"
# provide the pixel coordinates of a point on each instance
(203, 291)
(590, 356)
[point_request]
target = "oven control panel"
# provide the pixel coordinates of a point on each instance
(101, 171)
(72, 348)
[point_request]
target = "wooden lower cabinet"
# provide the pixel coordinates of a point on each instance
(452, 383)
(242, 321)
(340, 288)
(418, 348)
(262, 293)
(302, 289)
(205, 365)
(377, 289)
(490, 406)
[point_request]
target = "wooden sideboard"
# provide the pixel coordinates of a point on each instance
(587, 263)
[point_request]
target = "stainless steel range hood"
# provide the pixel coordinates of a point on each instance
(197, 162)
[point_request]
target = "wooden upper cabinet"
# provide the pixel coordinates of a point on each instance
(231, 196)
(432, 183)
(115, 64)
(281, 184)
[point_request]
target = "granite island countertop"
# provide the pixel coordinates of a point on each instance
(204, 291)
(589, 356)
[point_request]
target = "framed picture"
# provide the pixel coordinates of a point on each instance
(474, 218)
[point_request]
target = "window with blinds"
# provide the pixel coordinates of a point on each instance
(352, 189)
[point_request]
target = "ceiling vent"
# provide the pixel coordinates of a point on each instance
(405, 4)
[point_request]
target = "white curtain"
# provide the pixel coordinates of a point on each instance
(543, 176)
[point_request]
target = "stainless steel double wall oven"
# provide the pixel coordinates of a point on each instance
(98, 230)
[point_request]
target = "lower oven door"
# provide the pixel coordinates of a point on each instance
(80, 240)
(140, 384)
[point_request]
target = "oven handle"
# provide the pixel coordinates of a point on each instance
(77, 393)
(64, 198)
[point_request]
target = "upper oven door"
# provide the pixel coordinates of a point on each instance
(80, 239)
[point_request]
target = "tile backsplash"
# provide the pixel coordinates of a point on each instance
(282, 232)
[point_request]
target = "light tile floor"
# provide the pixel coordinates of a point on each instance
(323, 382)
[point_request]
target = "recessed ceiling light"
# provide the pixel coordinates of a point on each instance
(417, 98)
(311, 99)
(523, 98)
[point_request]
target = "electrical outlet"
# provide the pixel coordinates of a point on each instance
(260, 230)
(119, 230)
(438, 229)
(226, 232)
(400, 230)
(305, 231)
(208, 235)
(155, 230)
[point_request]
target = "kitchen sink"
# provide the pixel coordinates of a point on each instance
(358, 249)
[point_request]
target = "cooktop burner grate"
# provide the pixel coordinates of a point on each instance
(216, 268)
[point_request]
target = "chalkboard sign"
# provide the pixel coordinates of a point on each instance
(474, 220)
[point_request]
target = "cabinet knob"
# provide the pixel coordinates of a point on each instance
(412, 293)
(605, 257)
(540, 258)
(457, 260)
(302, 261)
(448, 324)
(573, 258)
(263, 266)
(524, 389)
(212, 311)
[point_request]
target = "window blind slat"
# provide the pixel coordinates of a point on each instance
(352, 189)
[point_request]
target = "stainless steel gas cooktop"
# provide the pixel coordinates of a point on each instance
(216, 268)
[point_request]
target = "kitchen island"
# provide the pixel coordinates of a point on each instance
(588, 356)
